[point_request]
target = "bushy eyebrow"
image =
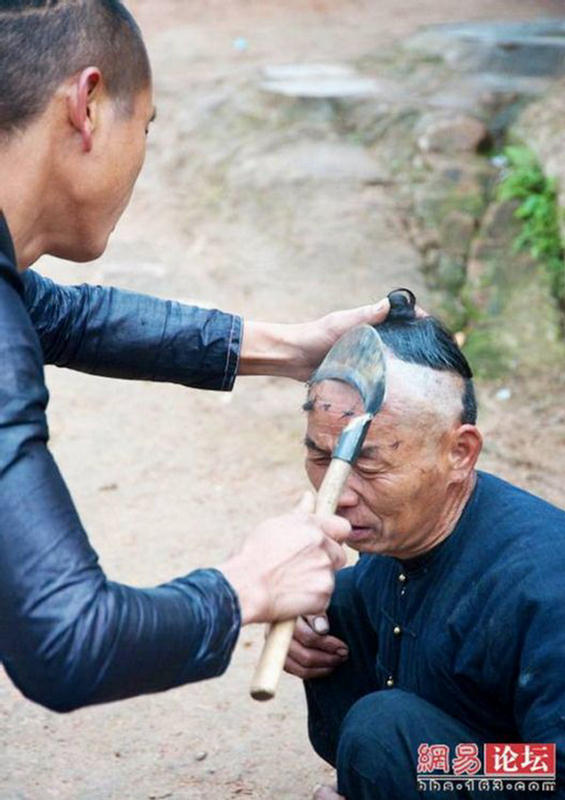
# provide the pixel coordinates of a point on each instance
(371, 451)
(310, 444)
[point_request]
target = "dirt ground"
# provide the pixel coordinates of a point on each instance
(168, 479)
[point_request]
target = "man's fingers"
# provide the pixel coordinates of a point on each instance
(378, 312)
(314, 656)
(372, 314)
(305, 636)
(375, 313)
(334, 550)
(363, 315)
(319, 623)
(307, 503)
(337, 528)
(306, 673)
(315, 659)
(336, 554)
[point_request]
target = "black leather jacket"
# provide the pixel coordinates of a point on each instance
(69, 637)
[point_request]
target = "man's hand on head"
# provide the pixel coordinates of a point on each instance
(313, 340)
(314, 654)
(295, 350)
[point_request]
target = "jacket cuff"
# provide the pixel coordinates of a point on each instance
(233, 353)
(222, 623)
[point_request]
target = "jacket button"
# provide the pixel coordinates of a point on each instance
(402, 578)
(397, 630)
(390, 683)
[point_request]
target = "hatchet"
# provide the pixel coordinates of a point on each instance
(357, 358)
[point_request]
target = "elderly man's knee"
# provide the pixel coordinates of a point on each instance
(373, 731)
(382, 711)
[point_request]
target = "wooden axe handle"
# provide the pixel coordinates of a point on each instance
(271, 663)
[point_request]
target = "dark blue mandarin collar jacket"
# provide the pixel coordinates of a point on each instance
(69, 637)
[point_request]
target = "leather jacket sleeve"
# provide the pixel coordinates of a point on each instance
(116, 333)
(69, 637)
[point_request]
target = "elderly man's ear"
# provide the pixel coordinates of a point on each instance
(465, 448)
(83, 99)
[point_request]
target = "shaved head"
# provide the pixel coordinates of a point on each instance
(416, 392)
(426, 342)
(417, 396)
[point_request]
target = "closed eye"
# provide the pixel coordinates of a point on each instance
(314, 449)
(319, 459)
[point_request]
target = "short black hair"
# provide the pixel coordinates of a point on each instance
(427, 342)
(43, 42)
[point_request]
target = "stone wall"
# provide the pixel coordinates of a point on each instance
(506, 81)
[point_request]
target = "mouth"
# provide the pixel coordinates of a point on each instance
(360, 534)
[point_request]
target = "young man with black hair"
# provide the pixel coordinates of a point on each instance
(450, 629)
(75, 107)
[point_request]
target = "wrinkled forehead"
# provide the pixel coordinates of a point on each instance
(415, 395)
(331, 406)
(334, 395)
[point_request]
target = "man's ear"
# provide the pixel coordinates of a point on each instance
(466, 446)
(83, 104)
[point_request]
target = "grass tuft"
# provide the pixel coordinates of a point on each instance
(524, 180)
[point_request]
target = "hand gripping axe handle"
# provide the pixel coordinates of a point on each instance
(357, 359)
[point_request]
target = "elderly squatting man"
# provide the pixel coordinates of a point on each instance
(450, 628)
(75, 108)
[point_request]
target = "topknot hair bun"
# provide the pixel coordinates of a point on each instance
(402, 305)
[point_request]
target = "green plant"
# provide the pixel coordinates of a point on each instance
(525, 181)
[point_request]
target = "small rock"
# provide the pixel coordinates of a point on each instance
(202, 756)
(505, 49)
(306, 161)
(460, 134)
(496, 100)
(503, 394)
(317, 81)
(287, 72)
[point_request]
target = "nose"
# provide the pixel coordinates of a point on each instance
(348, 497)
